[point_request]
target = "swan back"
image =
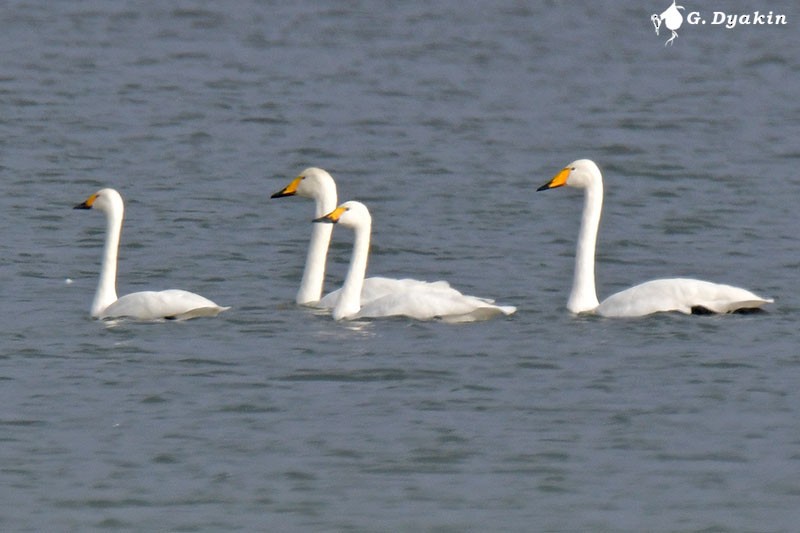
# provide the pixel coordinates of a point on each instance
(681, 295)
(154, 305)
(423, 300)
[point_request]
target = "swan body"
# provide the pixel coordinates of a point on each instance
(318, 185)
(145, 305)
(662, 295)
(689, 296)
(376, 287)
(397, 297)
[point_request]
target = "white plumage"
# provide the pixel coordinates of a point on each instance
(318, 185)
(397, 297)
(673, 294)
(146, 305)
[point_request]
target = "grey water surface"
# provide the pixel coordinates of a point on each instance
(444, 118)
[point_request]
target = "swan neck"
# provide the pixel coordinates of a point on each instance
(313, 279)
(349, 302)
(106, 292)
(314, 272)
(584, 295)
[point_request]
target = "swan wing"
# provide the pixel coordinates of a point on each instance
(153, 305)
(427, 301)
(383, 297)
(377, 287)
(681, 295)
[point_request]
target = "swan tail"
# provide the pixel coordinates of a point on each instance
(740, 306)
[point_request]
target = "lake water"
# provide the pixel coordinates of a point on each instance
(443, 118)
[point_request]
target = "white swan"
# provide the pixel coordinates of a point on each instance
(145, 305)
(688, 296)
(399, 297)
(317, 184)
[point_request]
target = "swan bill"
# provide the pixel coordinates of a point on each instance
(88, 203)
(332, 217)
(289, 190)
(559, 180)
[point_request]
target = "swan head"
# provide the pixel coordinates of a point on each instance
(582, 173)
(350, 215)
(106, 200)
(313, 182)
